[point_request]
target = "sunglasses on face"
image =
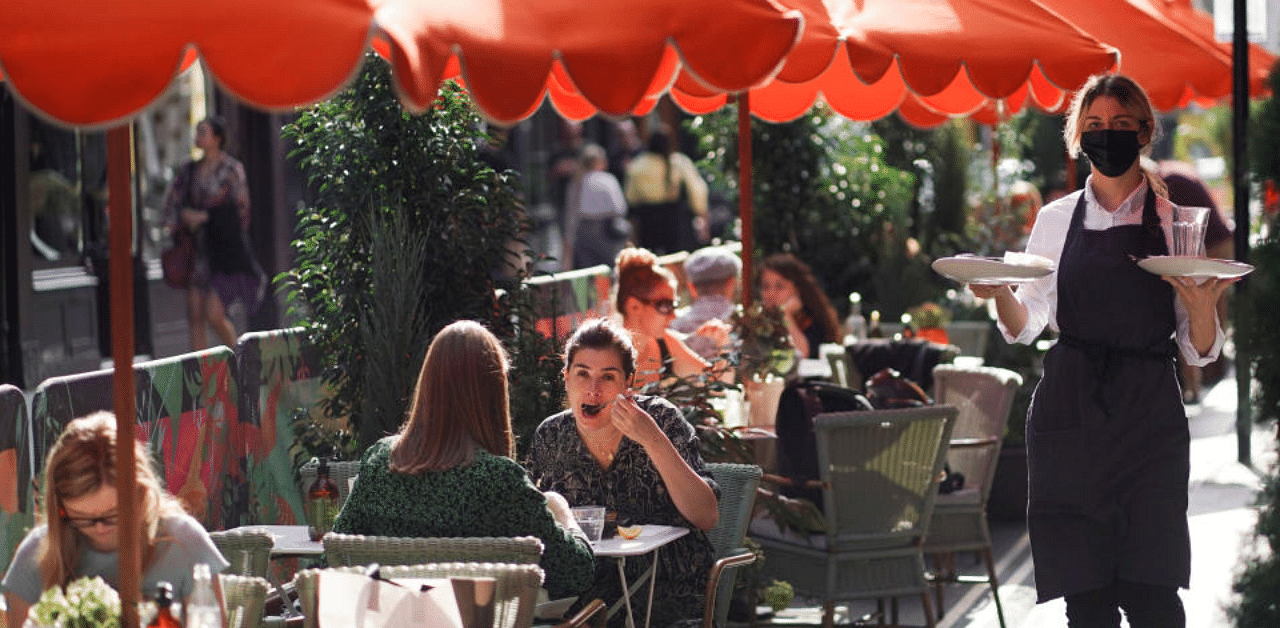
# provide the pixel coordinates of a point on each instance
(662, 306)
(83, 523)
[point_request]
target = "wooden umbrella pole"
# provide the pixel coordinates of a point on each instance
(120, 254)
(744, 196)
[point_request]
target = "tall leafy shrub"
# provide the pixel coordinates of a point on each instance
(408, 229)
(822, 190)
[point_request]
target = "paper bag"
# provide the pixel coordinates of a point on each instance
(351, 600)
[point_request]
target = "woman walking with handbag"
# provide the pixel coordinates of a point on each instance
(210, 202)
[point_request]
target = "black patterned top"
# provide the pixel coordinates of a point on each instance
(632, 488)
(492, 496)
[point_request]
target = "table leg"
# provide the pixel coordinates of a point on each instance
(626, 591)
(653, 577)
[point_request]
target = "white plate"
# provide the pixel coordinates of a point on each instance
(1170, 266)
(986, 270)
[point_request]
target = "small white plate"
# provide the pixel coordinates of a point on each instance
(987, 270)
(1170, 266)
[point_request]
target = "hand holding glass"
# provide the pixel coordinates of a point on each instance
(1188, 231)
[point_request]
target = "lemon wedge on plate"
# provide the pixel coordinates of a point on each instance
(628, 532)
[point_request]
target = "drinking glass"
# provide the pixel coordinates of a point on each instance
(591, 519)
(1188, 231)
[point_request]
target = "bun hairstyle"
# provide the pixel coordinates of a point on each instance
(638, 274)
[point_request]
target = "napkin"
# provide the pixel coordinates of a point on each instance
(354, 600)
(1027, 259)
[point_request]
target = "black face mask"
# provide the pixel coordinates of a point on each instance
(1111, 151)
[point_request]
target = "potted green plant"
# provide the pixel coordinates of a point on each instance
(766, 357)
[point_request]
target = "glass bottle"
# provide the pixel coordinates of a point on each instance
(164, 608)
(874, 330)
(322, 501)
(202, 608)
(856, 324)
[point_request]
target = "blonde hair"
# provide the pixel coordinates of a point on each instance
(638, 274)
(1131, 96)
(81, 462)
(460, 403)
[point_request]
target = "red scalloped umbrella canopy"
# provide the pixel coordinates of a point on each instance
(1172, 65)
(868, 58)
(91, 62)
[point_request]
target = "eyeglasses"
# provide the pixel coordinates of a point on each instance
(662, 306)
(88, 522)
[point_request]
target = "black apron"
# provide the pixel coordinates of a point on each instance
(1107, 437)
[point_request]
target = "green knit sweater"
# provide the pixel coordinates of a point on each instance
(492, 496)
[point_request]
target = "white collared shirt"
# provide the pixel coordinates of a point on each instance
(1047, 238)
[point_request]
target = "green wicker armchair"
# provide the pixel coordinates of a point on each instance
(738, 484)
(247, 549)
(879, 472)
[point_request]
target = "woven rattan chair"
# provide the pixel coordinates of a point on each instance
(515, 593)
(879, 473)
(340, 471)
(983, 396)
(738, 484)
(247, 549)
(243, 598)
(355, 549)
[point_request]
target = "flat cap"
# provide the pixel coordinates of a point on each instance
(711, 263)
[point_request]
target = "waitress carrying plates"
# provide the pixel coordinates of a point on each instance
(1107, 437)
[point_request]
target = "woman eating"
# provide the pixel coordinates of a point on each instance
(636, 456)
(449, 472)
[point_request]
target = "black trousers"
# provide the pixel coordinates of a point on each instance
(1145, 606)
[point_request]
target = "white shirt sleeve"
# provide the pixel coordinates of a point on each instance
(1047, 238)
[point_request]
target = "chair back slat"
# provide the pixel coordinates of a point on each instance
(243, 599)
(358, 549)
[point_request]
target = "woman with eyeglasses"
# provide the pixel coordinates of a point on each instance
(646, 299)
(635, 455)
(80, 533)
(1108, 442)
(787, 282)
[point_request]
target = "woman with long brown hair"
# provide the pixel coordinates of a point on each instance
(80, 535)
(450, 472)
(787, 282)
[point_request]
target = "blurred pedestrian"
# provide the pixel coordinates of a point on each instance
(596, 223)
(667, 197)
(210, 198)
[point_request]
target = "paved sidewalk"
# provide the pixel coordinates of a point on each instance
(1222, 518)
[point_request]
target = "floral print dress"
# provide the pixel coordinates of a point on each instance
(632, 488)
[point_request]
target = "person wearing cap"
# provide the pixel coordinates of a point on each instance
(713, 281)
